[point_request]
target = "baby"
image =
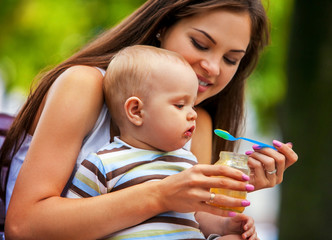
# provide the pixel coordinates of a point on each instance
(150, 93)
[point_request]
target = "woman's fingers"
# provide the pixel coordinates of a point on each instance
(287, 151)
(216, 210)
(223, 200)
(217, 176)
(220, 170)
(268, 166)
(190, 189)
(258, 175)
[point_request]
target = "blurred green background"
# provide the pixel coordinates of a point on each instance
(290, 90)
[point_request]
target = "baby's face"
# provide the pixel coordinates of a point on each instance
(169, 117)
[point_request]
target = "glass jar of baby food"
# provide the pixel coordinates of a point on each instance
(240, 162)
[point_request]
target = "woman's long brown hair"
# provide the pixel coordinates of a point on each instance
(141, 27)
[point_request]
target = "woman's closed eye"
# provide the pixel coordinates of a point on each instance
(230, 61)
(198, 45)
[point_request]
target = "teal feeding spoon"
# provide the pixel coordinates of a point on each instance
(227, 136)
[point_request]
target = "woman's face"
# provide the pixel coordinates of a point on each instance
(213, 43)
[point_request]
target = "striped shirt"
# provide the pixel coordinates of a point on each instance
(119, 165)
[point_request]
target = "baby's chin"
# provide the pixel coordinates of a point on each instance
(175, 147)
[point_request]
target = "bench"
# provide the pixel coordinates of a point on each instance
(5, 122)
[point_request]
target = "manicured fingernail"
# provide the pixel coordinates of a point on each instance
(250, 187)
(245, 203)
(249, 152)
(256, 147)
(277, 143)
(232, 214)
(245, 177)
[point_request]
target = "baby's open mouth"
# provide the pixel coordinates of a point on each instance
(189, 132)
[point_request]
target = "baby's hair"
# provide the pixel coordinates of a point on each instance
(130, 74)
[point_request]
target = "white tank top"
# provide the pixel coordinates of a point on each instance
(98, 137)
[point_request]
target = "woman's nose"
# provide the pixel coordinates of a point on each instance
(211, 66)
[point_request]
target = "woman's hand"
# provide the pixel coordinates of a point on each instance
(189, 191)
(267, 165)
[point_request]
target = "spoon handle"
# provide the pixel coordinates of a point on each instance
(257, 142)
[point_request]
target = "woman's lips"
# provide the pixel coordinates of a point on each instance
(203, 84)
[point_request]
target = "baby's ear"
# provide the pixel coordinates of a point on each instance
(133, 108)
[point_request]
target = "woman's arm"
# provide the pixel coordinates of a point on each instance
(36, 209)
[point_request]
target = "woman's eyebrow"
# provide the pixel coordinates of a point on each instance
(240, 51)
(207, 35)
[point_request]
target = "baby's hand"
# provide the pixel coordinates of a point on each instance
(242, 224)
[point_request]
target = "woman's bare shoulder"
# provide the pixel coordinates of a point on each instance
(69, 87)
(80, 81)
(83, 74)
(83, 69)
(78, 93)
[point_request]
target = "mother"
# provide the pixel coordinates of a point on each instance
(65, 118)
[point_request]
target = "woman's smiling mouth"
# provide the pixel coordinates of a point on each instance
(203, 84)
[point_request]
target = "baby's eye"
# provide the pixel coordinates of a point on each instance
(179, 106)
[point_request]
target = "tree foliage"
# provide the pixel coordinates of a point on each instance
(35, 34)
(306, 119)
(268, 85)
